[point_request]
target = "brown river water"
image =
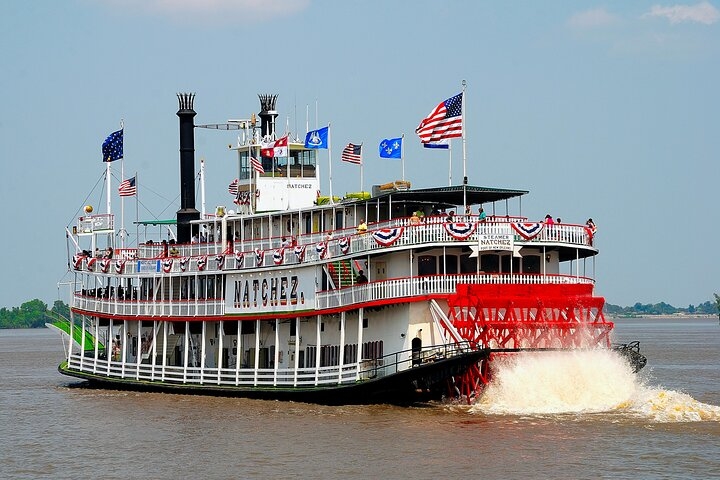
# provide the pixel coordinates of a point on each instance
(577, 415)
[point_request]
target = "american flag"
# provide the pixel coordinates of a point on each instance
(127, 188)
(352, 153)
(112, 147)
(445, 121)
(256, 165)
(233, 187)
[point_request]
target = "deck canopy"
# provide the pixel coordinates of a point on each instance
(455, 195)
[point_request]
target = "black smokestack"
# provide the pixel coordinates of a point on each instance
(187, 210)
(267, 114)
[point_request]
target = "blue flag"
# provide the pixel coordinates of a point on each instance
(112, 147)
(440, 144)
(391, 148)
(317, 138)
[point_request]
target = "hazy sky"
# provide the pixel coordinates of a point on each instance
(609, 110)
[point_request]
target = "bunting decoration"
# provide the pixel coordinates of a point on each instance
(183, 263)
(119, 265)
(299, 251)
(239, 259)
(387, 236)
(528, 230)
(344, 245)
(201, 262)
(220, 260)
(321, 249)
(91, 264)
(167, 265)
(278, 256)
(460, 230)
(77, 260)
(259, 257)
(105, 265)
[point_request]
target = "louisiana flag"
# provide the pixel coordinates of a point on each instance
(317, 138)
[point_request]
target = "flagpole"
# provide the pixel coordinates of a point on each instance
(330, 163)
(361, 170)
(202, 187)
(137, 211)
(465, 178)
(402, 157)
(449, 163)
(122, 206)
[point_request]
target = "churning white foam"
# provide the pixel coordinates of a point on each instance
(582, 381)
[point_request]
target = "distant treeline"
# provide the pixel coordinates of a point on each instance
(662, 308)
(35, 313)
(32, 314)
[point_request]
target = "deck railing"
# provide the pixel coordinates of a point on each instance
(396, 288)
(216, 257)
(265, 377)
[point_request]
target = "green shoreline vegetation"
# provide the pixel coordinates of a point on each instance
(35, 313)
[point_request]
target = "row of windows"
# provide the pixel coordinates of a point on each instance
(489, 263)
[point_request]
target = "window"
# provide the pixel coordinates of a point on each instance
(427, 265)
(451, 264)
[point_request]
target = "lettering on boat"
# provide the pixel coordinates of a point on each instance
(271, 292)
(495, 242)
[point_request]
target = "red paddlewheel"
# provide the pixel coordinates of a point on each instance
(525, 316)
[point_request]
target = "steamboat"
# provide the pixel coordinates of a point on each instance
(380, 297)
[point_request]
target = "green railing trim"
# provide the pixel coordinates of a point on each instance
(63, 324)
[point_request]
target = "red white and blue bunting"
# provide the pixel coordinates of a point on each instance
(119, 265)
(201, 262)
(259, 257)
(167, 265)
(387, 236)
(528, 230)
(105, 265)
(183, 263)
(77, 260)
(220, 260)
(239, 259)
(91, 264)
(278, 256)
(321, 249)
(345, 245)
(460, 230)
(299, 253)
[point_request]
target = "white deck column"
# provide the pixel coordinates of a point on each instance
(138, 351)
(202, 352)
(165, 342)
(358, 359)
(341, 355)
(97, 344)
(277, 351)
(123, 339)
(238, 353)
(317, 349)
(257, 351)
(297, 351)
(153, 349)
(221, 335)
(186, 348)
(82, 341)
(111, 338)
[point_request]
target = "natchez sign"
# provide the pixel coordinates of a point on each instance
(271, 292)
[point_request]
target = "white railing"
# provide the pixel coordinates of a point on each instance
(265, 377)
(368, 292)
(216, 257)
(430, 285)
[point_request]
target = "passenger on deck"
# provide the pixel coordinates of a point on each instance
(549, 220)
(108, 253)
(481, 215)
(414, 220)
(361, 278)
(285, 242)
(362, 226)
(450, 217)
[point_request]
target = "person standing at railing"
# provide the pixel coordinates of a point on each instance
(362, 227)
(590, 229)
(482, 216)
(361, 278)
(415, 220)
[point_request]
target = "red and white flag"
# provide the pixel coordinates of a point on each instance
(256, 165)
(445, 121)
(278, 148)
